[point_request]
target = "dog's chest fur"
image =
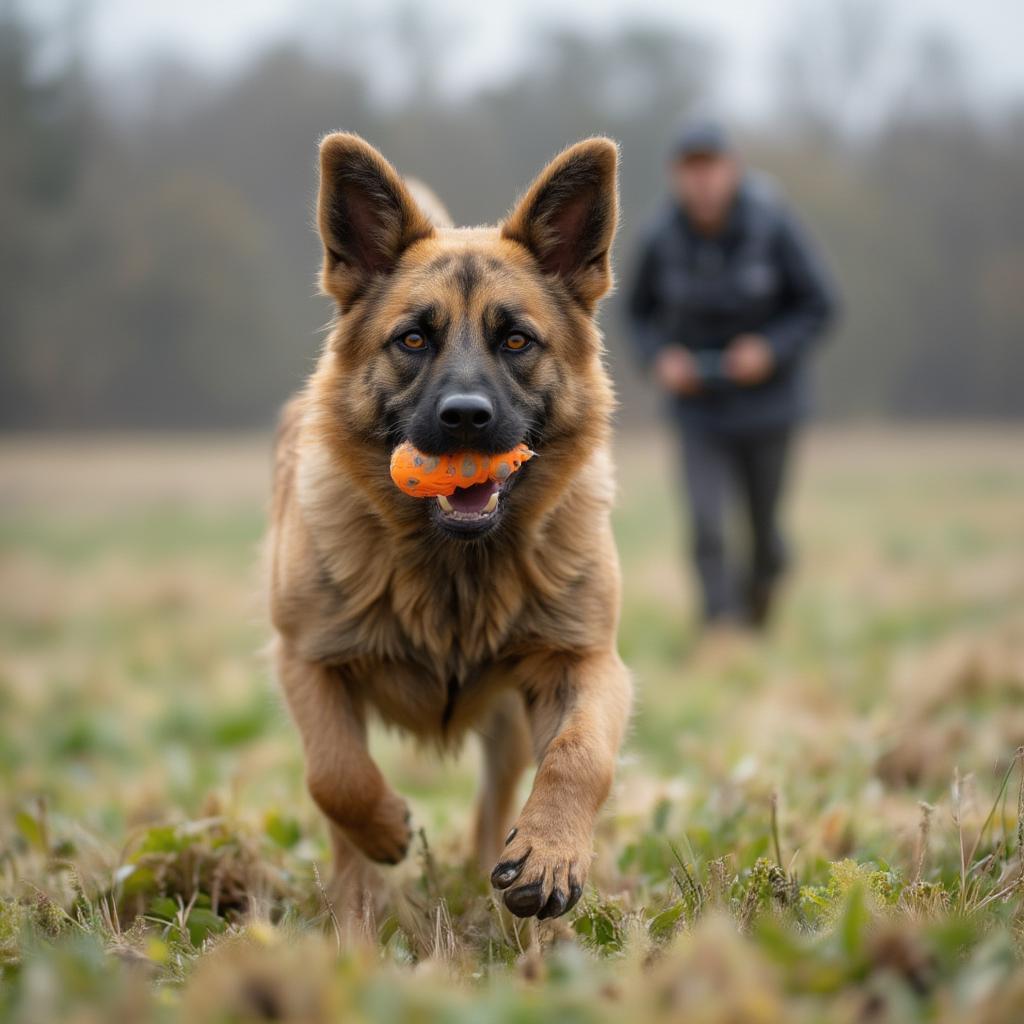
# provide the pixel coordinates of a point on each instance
(415, 648)
(423, 628)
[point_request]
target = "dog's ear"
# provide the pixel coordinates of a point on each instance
(567, 218)
(365, 215)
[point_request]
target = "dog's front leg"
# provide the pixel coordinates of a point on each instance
(342, 777)
(579, 708)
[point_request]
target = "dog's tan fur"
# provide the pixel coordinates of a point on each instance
(512, 636)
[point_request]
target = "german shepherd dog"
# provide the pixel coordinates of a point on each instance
(468, 615)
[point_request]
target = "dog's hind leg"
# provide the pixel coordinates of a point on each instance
(342, 777)
(354, 890)
(507, 752)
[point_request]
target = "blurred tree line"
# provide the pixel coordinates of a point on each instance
(157, 263)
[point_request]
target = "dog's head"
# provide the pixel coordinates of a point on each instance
(465, 339)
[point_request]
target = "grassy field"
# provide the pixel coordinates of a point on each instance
(825, 825)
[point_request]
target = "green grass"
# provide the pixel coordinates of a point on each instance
(823, 825)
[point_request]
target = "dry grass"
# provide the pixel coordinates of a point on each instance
(822, 826)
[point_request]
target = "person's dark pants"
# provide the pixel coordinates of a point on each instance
(719, 469)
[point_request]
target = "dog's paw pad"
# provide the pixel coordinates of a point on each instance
(556, 905)
(508, 871)
(526, 900)
(540, 877)
(387, 835)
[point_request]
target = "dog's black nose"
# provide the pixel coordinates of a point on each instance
(465, 415)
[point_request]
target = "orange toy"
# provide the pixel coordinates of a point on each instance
(428, 476)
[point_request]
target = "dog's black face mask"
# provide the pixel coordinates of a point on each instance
(466, 401)
(473, 385)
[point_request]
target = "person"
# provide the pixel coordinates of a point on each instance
(728, 301)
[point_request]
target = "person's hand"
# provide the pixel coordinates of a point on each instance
(749, 359)
(676, 370)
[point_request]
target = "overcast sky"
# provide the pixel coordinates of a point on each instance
(488, 35)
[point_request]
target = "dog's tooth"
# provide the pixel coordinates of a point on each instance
(446, 505)
(492, 504)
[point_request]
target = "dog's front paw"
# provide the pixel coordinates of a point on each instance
(542, 874)
(384, 835)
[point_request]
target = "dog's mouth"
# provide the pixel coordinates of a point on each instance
(471, 511)
(468, 504)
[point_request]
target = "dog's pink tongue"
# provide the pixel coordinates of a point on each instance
(472, 499)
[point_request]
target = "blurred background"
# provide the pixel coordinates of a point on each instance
(157, 173)
(157, 304)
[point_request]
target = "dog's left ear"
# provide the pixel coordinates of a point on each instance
(568, 217)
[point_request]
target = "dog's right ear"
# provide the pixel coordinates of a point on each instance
(365, 215)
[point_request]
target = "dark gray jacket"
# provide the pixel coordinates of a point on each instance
(761, 275)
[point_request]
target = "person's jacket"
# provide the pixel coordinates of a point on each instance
(760, 275)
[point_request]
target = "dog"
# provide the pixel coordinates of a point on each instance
(499, 616)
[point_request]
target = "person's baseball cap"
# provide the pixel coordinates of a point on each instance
(701, 137)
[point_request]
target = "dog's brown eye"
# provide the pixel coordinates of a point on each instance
(414, 341)
(516, 342)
